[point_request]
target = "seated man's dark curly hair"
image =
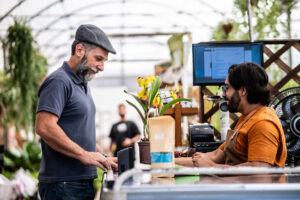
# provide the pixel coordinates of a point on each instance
(254, 78)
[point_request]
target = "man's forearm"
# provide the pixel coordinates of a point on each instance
(245, 164)
(184, 161)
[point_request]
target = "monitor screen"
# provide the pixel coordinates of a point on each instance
(211, 60)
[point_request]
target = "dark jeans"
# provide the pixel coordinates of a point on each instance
(67, 190)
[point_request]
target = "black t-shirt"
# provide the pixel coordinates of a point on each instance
(122, 130)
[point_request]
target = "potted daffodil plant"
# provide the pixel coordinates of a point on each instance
(150, 100)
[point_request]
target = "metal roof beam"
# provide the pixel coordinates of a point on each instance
(44, 9)
(14, 7)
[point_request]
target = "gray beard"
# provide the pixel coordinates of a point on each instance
(83, 71)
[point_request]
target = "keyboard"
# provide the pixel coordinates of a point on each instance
(207, 146)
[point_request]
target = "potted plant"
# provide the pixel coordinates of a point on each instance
(151, 103)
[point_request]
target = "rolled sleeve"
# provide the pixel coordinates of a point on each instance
(53, 95)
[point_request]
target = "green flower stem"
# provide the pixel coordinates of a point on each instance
(136, 108)
(144, 106)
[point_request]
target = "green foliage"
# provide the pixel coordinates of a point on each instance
(235, 34)
(21, 79)
(144, 105)
(20, 52)
(98, 181)
(142, 115)
(267, 18)
(29, 159)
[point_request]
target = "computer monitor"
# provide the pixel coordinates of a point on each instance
(211, 60)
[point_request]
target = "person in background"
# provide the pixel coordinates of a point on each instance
(258, 138)
(65, 121)
(123, 133)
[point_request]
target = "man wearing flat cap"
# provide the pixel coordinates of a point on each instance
(65, 121)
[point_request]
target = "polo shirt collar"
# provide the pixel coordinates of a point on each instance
(72, 75)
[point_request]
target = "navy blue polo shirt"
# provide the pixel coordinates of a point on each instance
(65, 95)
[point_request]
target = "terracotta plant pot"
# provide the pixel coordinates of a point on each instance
(144, 147)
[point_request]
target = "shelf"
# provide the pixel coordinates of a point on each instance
(184, 111)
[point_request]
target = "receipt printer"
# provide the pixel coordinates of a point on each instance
(202, 132)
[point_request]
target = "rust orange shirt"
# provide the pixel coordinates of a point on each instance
(261, 138)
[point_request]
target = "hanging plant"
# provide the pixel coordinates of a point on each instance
(22, 77)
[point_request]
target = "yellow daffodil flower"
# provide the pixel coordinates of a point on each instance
(156, 102)
(173, 95)
(142, 95)
(140, 81)
(146, 83)
(150, 78)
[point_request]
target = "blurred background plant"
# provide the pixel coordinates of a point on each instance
(28, 158)
(21, 78)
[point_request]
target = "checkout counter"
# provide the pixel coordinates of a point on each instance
(206, 183)
(235, 183)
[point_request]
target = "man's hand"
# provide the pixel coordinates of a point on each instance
(127, 142)
(113, 162)
(202, 160)
(95, 159)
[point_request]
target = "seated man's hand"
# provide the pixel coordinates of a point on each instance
(202, 160)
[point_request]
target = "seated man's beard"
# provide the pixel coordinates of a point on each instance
(234, 102)
(83, 70)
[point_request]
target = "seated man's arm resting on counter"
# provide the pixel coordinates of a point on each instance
(48, 129)
(216, 156)
(200, 160)
(213, 159)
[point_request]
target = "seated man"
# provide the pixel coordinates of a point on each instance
(258, 138)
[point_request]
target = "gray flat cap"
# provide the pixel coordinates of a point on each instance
(92, 34)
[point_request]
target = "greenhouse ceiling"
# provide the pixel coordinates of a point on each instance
(139, 29)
